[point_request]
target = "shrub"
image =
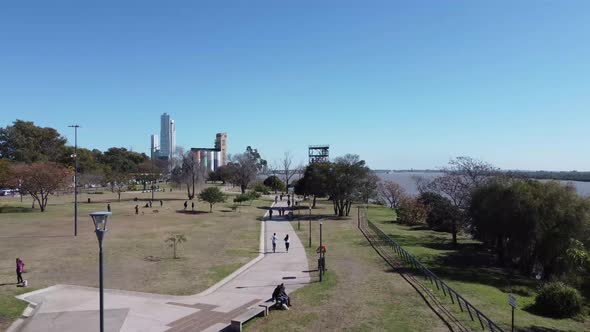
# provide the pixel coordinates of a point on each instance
(261, 188)
(274, 183)
(556, 299)
(412, 212)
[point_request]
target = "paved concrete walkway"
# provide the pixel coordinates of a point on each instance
(66, 308)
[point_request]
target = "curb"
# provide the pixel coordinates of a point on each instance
(261, 250)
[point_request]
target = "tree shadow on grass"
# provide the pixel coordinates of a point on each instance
(16, 209)
(191, 212)
(465, 262)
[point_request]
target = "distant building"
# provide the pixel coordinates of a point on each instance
(167, 137)
(208, 158)
(154, 146)
(221, 145)
(212, 158)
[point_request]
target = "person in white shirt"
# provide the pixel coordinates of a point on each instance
(274, 242)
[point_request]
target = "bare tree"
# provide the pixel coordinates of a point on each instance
(42, 179)
(243, 169)
(192, 173)
(289, 170)
(460, 179)
(392, 192)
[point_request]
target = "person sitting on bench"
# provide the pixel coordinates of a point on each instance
(281, 298)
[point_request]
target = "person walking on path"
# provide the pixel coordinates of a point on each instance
(161, 203)
(185, 205)
(20, 267)
(270, 213)
(136, 209)
(193, 206)
(281, 197)
(287, 242)
(276, 199)
(274, 242)
(109, 207)
(288, 202)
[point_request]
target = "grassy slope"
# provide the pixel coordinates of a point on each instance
(360, 293)
(218, 244)
(470, 271)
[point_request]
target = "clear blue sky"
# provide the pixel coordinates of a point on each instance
(403, 84)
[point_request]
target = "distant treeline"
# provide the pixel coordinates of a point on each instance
(549, 175)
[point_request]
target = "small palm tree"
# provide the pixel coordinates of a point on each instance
(175, 239)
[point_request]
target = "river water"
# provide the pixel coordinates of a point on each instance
(406, 180)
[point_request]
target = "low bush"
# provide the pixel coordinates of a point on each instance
(556, 299)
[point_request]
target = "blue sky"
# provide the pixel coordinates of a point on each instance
(402, 84)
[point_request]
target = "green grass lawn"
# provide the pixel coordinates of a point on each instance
(135, 255)
(360, 291)
(469, 269)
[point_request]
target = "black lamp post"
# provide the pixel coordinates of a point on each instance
(75, 155)
(100, 226)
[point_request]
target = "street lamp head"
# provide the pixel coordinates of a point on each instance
(100, 220)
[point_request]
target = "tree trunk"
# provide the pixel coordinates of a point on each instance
(454, 232)
(119, 195)
(500, 249)
(313, 205)
(243, 188)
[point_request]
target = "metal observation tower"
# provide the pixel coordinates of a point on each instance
(319, 153)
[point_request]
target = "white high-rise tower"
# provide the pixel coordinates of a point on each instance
(167, 136)
(154, 146)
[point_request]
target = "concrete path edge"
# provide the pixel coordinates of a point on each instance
(18, 324)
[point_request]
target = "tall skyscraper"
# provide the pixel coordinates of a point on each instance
(221, 145)
(154, 146)
(172, 139)
(167, 136)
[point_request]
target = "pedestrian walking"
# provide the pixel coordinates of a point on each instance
(20, 267)
(150, 203)
(287, 242)
(270, 213)
(161, 203)
(274, 242)
(193, 206)
(185, 205)
(109, 207)
(289, 202)
(281, 197)
(276, 199)
(280, 211)
(136, 209)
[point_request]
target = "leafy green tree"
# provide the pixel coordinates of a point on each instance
(212, 195)
(315, 181)
(174, 240)
(274, 183)
(442, 214)
(530, 222)
(5, 174)
(25, 142)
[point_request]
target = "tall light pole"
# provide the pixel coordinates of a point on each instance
(100, 226)
(75, 126)
(310, 226)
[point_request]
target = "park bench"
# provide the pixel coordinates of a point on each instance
(257, 311)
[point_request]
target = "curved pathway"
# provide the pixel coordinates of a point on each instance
(66, 308)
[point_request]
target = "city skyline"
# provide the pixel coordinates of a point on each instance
(402, 85)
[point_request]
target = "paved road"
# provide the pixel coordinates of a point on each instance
(66, 308)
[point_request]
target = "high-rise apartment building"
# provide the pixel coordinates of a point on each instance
(167, 137)
(154, 146)
(221, 145)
